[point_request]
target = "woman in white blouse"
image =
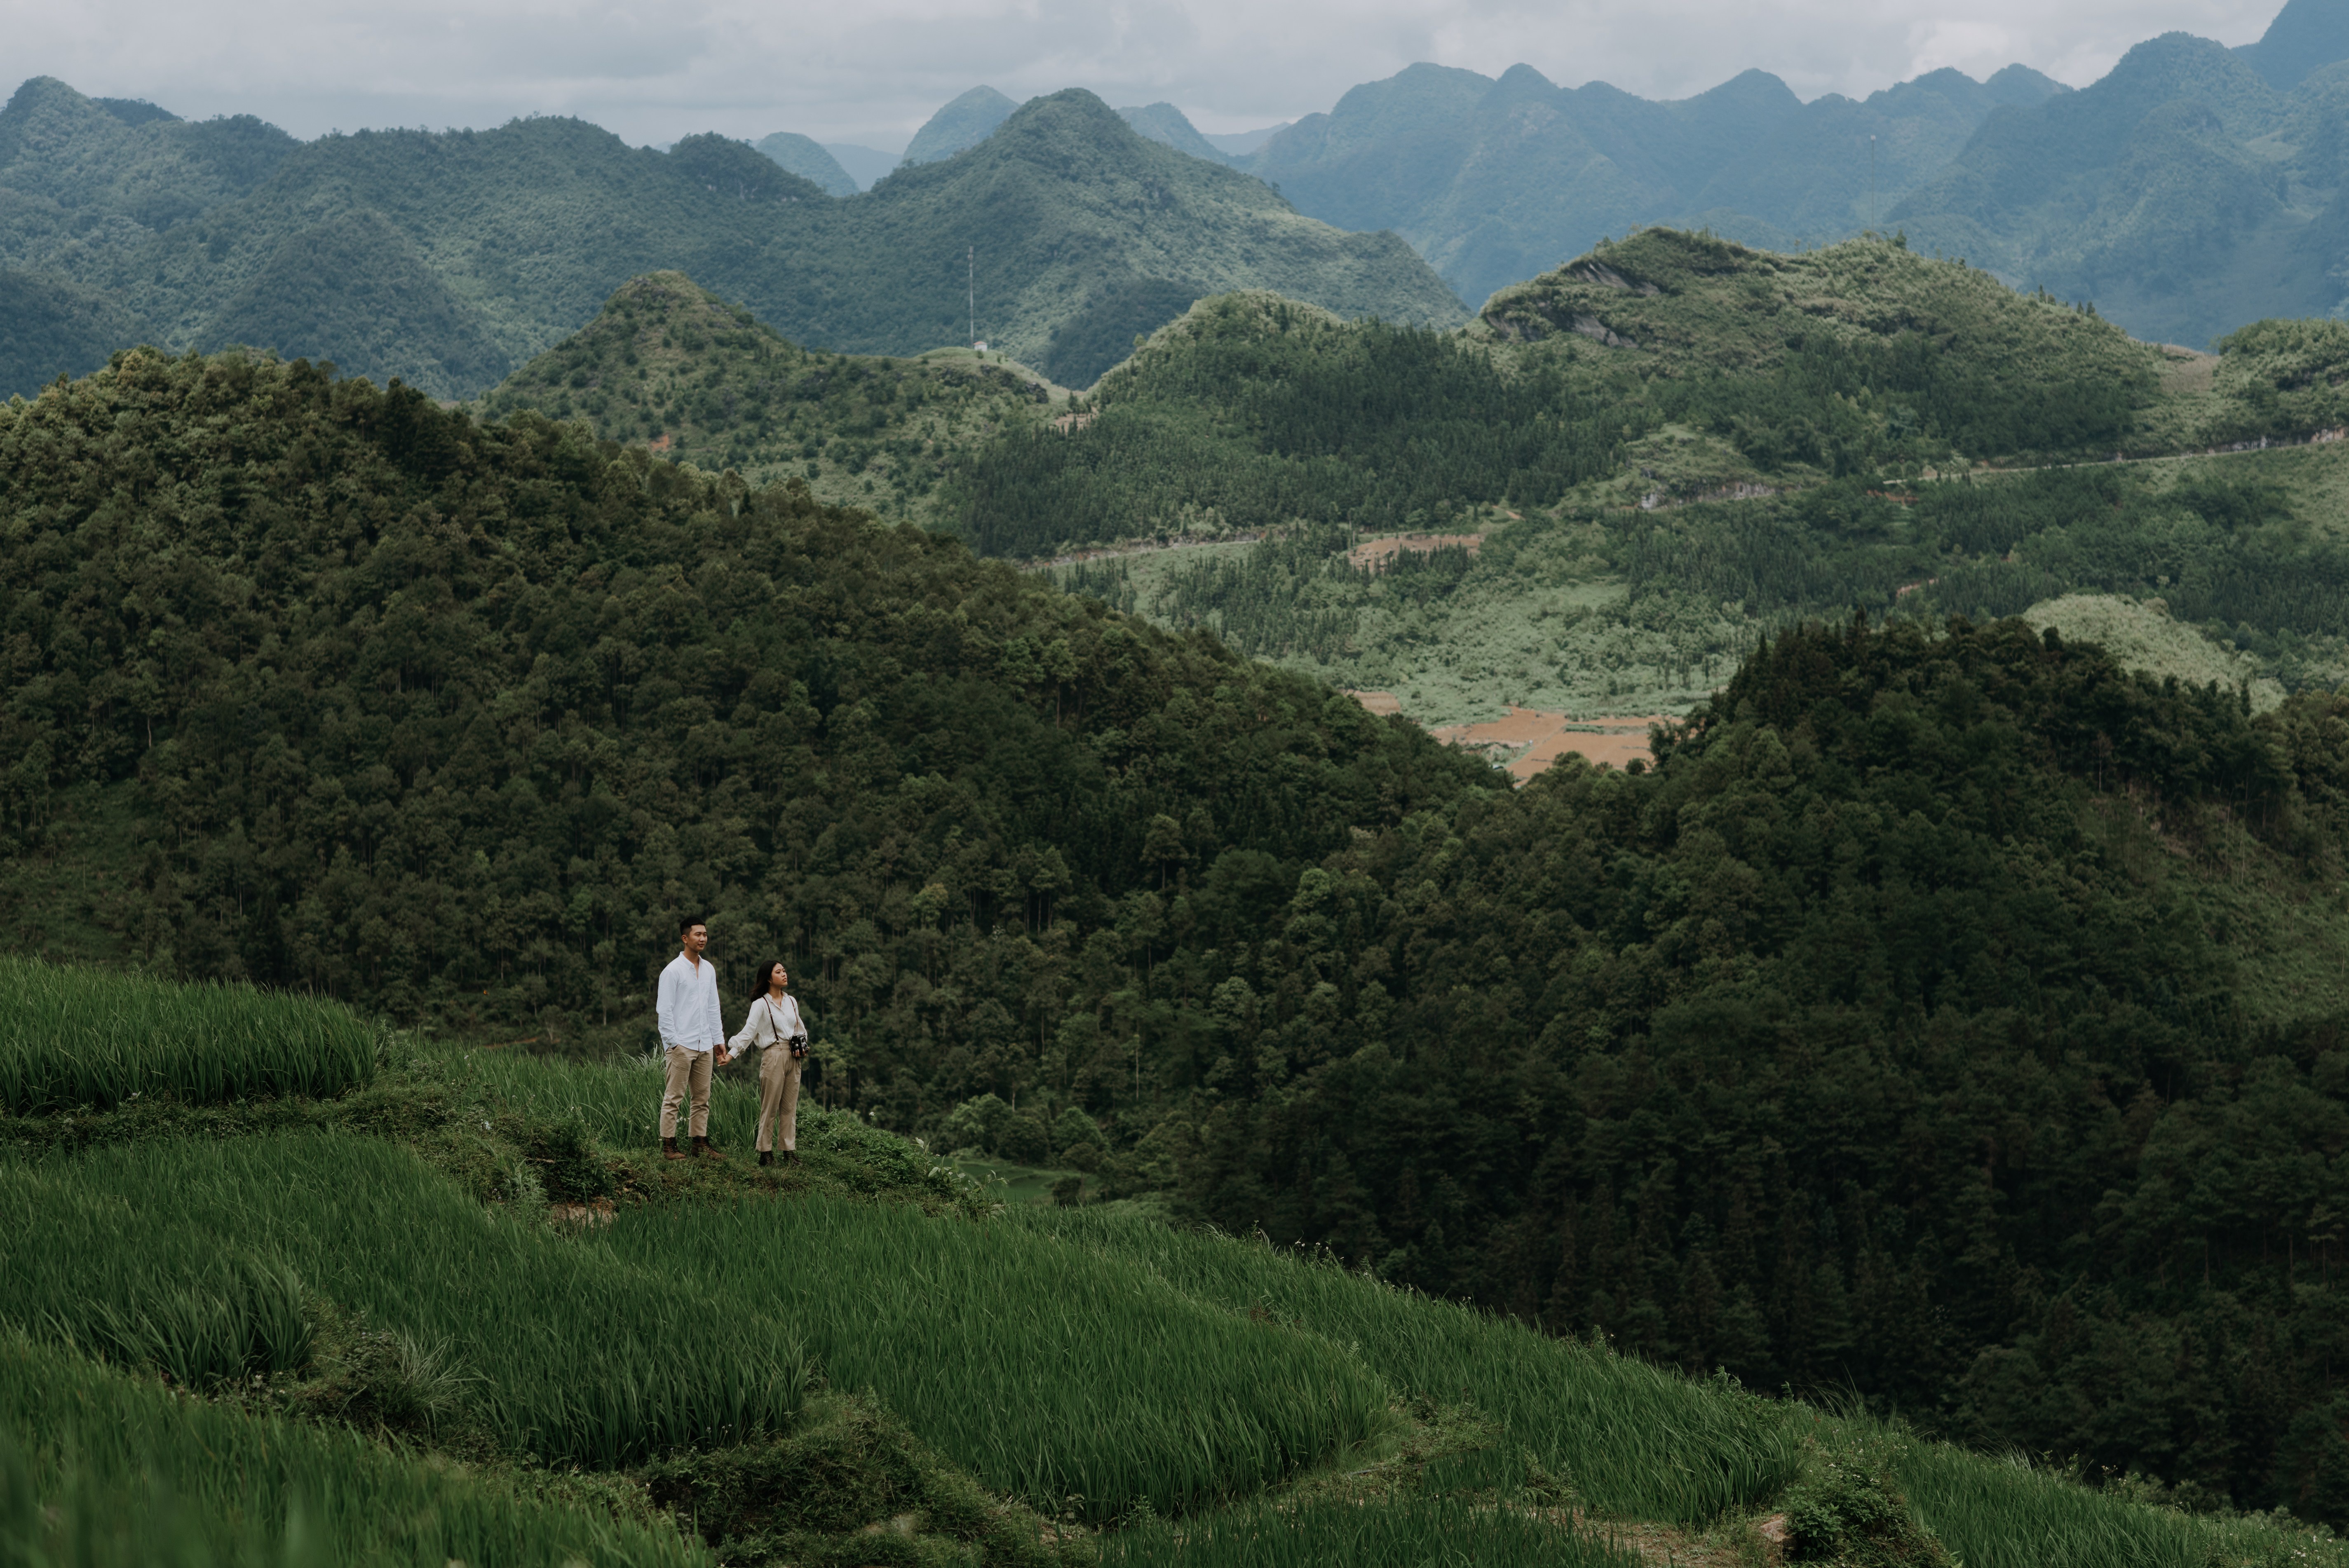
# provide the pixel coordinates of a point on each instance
(775, 1026)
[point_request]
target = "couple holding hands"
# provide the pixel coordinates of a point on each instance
(693, 1033)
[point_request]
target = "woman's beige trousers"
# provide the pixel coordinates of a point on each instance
(778, 1096)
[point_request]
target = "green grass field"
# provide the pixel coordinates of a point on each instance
(350, 1327)
(73, 1037)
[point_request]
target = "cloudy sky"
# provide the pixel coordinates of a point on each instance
(871, 71)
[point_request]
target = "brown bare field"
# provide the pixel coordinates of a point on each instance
(1379, 551)
(1531, 738)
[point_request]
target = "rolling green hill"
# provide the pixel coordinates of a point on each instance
(449, 260)
(670, 364)
(1689, 359)
(1785, 437)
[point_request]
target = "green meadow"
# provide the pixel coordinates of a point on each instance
(431, 1303)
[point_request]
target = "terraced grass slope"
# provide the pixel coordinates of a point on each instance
(295, 1328)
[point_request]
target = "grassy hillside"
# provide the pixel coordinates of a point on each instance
(358, 1402)
(449, 260)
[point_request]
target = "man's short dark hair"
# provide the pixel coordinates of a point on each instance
(688, 923)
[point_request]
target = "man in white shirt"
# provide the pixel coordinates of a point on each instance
(692, 1035)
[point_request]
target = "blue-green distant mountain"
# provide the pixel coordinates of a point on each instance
(803, 157)
(1496, 181)
(2193, 190)
(1240, 143)
(866, 165)
(2183, 193)
(962, 124)
(2305, 36)
(1169, 125)
(448, 259)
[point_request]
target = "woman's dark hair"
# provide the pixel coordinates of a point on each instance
(765, 977)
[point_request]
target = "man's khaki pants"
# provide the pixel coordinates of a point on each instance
(778, 1096)
(688, 1073)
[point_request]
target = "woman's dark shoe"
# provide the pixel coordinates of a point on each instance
(766, 1157)
(670, 1150)
(791, 1156)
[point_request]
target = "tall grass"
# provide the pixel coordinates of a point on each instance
(1638, 1442)
(1052, 1371)
(1633, 1440)
(73, 1037)
(1392, 1532)
(101, 1470)
(192, 1257)
(1992, 1513)
(619, 1102)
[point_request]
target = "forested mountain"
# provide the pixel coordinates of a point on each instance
(1496, 181)
(1253, 412)
(1638, 464)
(2306, 37)
(2189, 192)
(2182, 193)
(448, 259)
(1904, 1029)
(670, 366)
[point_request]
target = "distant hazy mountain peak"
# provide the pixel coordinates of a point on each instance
(134, 111)
(808, 159)
(2021, 85)
(1163, 123)
(1523, 79)
(1748, 88)
(735, 169)
(1240, 143)
(961, 125)
(2306, 36)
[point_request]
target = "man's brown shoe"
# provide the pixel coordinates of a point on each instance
(701, 1146)
(670, 1150)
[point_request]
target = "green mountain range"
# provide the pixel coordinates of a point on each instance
(2183, 192)
(448, 259)
(2191, 190)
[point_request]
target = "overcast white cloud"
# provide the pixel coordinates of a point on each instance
(872, 72)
